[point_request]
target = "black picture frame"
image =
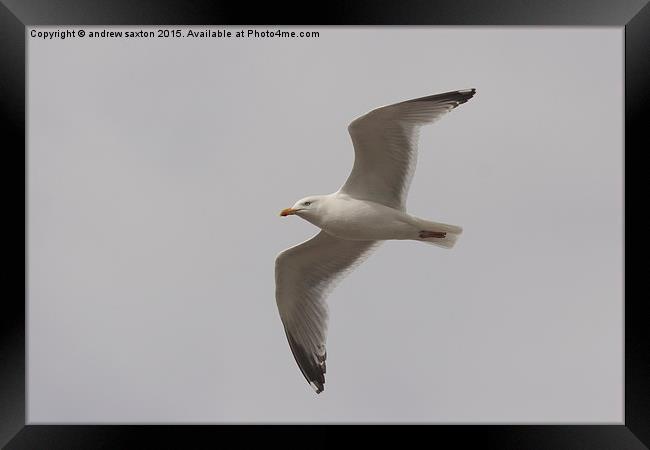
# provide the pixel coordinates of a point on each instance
(16, 15)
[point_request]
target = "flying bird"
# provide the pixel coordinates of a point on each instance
(368, 209)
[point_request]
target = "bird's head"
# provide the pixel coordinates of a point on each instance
(305, 207)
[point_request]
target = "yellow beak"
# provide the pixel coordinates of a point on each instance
(287, 212)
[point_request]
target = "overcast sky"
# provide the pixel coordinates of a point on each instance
(157, 168)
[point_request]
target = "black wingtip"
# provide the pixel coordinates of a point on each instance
(313, 369)
(466, 94)
(459, 97)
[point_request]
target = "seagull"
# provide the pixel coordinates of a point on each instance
(368, 209)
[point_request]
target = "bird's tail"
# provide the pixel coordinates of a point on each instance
(438, 234)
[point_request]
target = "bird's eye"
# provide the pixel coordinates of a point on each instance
(307, 203)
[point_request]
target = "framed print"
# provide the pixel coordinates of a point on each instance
(184, 233)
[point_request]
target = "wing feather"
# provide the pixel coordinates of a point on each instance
(385, 146)
(304, 275)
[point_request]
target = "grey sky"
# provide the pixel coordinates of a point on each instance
(156, 172)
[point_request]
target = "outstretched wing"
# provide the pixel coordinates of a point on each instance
(304, 275)
(385, 146)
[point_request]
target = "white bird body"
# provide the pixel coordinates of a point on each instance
(345, 217)
(368, 209)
